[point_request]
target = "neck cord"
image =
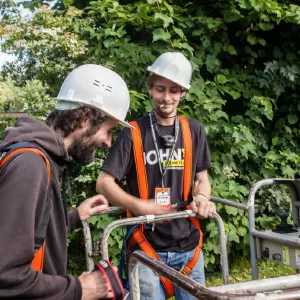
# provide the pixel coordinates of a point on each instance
(160, 161)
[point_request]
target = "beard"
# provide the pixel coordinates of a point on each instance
(82, 150)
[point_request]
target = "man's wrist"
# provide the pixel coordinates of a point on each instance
(203, 195)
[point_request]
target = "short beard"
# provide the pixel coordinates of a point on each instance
(81, 151)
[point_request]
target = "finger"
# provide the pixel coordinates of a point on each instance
(98, 199)
(212, 212)
(202, 210)
(194, 207)
(99, 209)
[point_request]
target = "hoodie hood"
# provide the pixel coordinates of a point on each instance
(27, 129)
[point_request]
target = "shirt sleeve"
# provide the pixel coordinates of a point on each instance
(203, 159)
(119, 157)
(23, 190)
(74, 221)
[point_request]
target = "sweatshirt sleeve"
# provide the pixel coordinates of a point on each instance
(23, 190)
(73, 220)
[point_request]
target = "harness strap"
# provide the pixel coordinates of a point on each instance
(105, 267)
(38, 260)
(187, 182)
(138, 236)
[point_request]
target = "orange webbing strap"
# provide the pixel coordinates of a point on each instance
(145, 246)
(137, 235)
(22, 150)
(187, 182)
(188, 150)
(38, 259)
(139, 162)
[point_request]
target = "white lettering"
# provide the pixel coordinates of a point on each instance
(176, 155)
(164, 156)
(151, 157)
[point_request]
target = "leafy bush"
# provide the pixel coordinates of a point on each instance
(245, 88)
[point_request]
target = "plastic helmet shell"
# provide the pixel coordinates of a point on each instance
(173, 66)
(97, 86)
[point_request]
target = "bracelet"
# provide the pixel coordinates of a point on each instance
(201, 194)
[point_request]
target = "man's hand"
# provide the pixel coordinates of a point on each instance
(94, 286)
(202, 207)
(149, 207)
(89, 207)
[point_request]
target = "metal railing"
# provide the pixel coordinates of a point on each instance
(90, 252)
(243, 291)
(167, 217)
(294, 186)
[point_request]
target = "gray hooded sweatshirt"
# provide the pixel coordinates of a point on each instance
(23, 194)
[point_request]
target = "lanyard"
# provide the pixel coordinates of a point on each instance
(160, 161)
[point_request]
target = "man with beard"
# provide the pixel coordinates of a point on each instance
(33, 158)
(165, 162)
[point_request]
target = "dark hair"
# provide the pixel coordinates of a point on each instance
(67, 121)
(152, 79)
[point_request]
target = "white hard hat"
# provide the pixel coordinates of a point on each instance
(96, 86)
(173, 66)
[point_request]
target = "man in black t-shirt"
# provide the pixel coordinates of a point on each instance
(164, 157)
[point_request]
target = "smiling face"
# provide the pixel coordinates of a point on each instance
(86, 141)
(165, 96)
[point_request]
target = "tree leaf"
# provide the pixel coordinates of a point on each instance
(160, 34)
(252, 39)
(293, 119)
(166, 19)
(221, 79)
(212, 63)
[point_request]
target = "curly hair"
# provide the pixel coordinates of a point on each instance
(67, 121)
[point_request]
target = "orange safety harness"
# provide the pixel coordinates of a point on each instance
(38, 259)
(138, 236)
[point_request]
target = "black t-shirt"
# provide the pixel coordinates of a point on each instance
(178, 235)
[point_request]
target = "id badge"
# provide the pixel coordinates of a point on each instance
(163, 197)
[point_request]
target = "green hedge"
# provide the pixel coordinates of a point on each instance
(245, 88)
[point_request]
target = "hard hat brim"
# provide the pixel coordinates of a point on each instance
(126, 124)
(78, 104)
(186, 87)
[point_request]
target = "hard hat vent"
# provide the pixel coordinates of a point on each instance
(106, 87)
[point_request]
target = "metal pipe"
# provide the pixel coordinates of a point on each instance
(223, 249)
(261, 285)
(88, 246)
(139, 220)
(197, 290)
(112, 210)
(251, 217)
(229, 203)
(281, 239)
(171, 216)
(182, 281)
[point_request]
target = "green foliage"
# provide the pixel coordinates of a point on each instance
(245, 88)
(31, 98)
(240, 271)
